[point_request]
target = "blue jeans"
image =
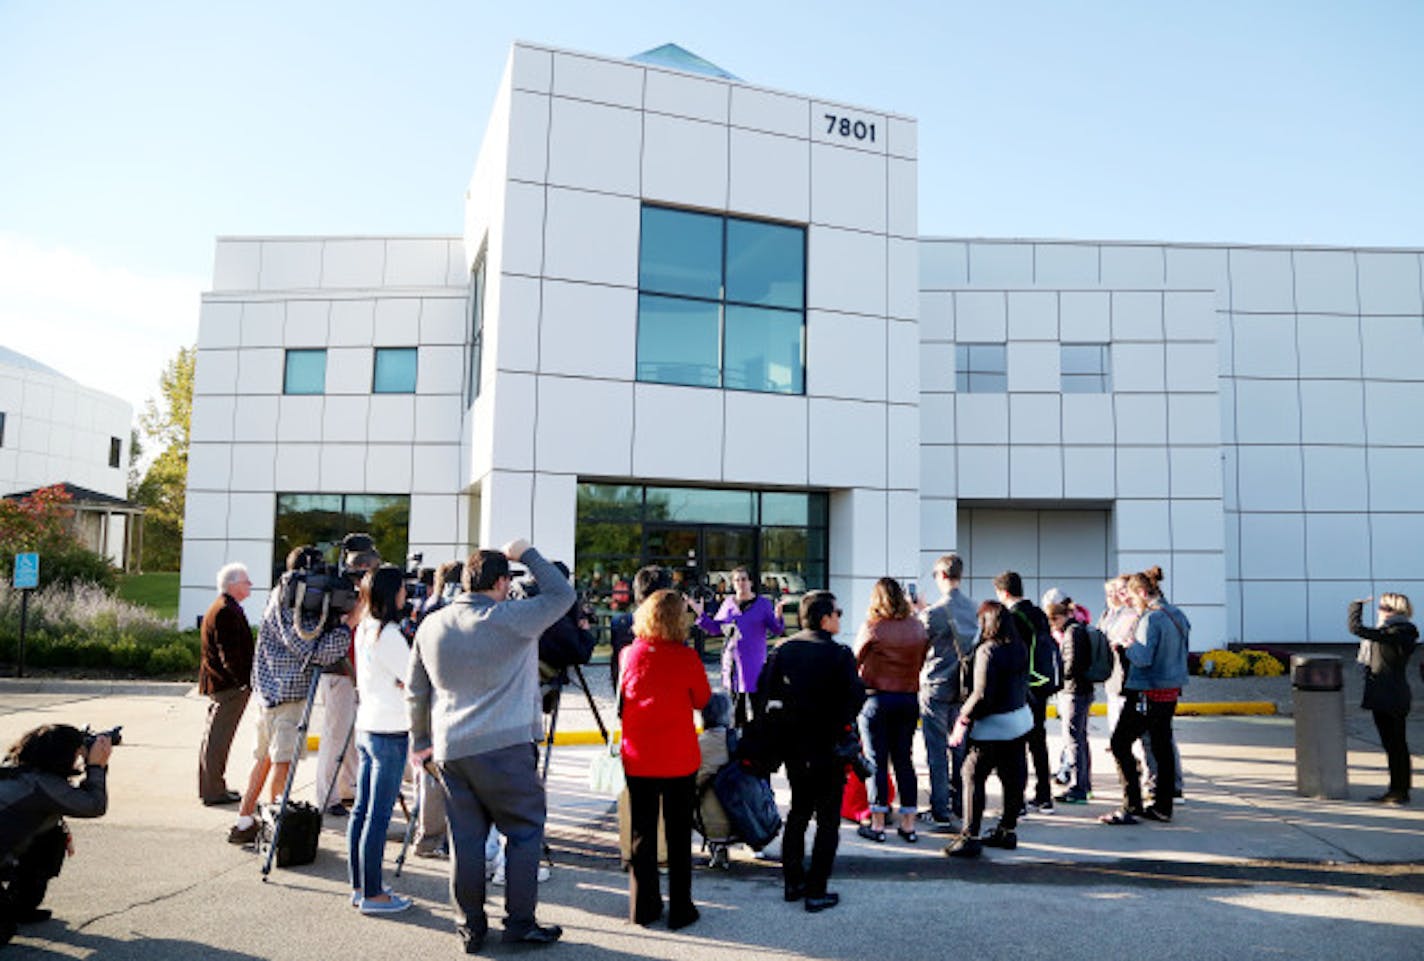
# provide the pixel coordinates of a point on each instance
(887, 725)
(380, 764)
(1076, 760)
(937, 716)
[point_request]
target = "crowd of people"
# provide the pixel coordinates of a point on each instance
(450, 695)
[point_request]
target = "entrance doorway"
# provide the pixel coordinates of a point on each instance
(700, 534)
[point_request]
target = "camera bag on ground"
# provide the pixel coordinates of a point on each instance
(301, 829)
(750, 804)
(1100, 655)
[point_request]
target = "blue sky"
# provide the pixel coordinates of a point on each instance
(134, 133)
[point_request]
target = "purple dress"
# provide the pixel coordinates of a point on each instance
(745, 651)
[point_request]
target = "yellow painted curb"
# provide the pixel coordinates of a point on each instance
(1184, 709)
(569, 738)
(1198, 708)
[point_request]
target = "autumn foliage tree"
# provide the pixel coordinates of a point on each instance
(166, 423)
(43, 523)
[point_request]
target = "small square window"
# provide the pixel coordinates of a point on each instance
(1085, 369)
(394, 370)
(116, 451)
(981, 368)
(305, 373)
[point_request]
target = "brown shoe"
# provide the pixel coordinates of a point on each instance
(245, 835)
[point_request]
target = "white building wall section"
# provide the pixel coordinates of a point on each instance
(58, 431)
(251, 442)
(1144, 455)
(588, 141)
(1319, 354)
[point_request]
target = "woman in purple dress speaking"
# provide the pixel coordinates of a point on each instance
(753, 619)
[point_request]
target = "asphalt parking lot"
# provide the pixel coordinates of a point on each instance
(1247, 868)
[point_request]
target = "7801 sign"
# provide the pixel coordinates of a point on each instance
(851, 129)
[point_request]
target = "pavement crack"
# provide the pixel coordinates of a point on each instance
(160, 898)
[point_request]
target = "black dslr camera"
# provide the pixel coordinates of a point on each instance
(114, 734)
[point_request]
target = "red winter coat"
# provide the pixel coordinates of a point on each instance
(663, 683)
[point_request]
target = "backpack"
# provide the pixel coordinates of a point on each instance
(1100, 656)
(1045, 660)
(749, 803)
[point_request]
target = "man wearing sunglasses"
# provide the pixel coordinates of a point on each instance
(813, 694)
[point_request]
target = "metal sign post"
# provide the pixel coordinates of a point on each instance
(27, 578)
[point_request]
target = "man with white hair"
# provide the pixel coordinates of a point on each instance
(225, 677)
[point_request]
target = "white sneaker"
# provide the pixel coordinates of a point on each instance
(497, 878)
(772, 851)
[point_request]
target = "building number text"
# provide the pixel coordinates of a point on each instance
(846, 127)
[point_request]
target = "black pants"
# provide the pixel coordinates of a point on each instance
(980, 760)
(816, 788)
(499, 787)
(676, 795)
(1037, 741)
(23, 884)
(1396, 750)
(1156, 720)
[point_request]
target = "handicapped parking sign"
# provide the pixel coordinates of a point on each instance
(27, 571)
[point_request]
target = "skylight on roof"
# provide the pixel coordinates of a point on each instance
(678, 58)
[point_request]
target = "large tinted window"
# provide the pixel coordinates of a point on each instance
(678, 341)
(323, 519)
(722, 302)
(766, 264)
(700, 534)
(681, 253)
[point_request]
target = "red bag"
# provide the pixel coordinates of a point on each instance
(855, 805)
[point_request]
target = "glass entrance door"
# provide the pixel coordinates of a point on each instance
(702, 555)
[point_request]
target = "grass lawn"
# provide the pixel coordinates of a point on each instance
(157, 591)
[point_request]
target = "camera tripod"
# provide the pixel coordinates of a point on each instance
(302, 726)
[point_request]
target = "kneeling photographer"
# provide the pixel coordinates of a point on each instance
(36, 794)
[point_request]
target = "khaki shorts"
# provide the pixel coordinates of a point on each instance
(277, 734)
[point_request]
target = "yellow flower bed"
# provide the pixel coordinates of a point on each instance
(1246, 663)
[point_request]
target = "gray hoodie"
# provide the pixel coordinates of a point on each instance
(473, 682)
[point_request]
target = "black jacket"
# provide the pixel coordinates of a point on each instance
(814, 693)
(1386, 683)
(1000, 678)
(1077, 658)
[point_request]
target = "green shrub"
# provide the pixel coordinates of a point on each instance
(83, 626)
(172, 659)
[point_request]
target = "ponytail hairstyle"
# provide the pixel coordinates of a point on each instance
(1146, 584)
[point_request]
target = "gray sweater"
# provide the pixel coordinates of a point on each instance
(473, 682)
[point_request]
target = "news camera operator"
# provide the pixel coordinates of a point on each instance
(566, 642)
(292, 643)
(36, 794)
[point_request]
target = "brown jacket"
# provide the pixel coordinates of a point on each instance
(890, 654)
(227, 648)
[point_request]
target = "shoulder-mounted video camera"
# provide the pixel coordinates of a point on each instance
(315, 587)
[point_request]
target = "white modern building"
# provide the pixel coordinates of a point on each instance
(694, 321)
(54, 430)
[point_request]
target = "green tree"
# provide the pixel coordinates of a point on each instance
(167, 422)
